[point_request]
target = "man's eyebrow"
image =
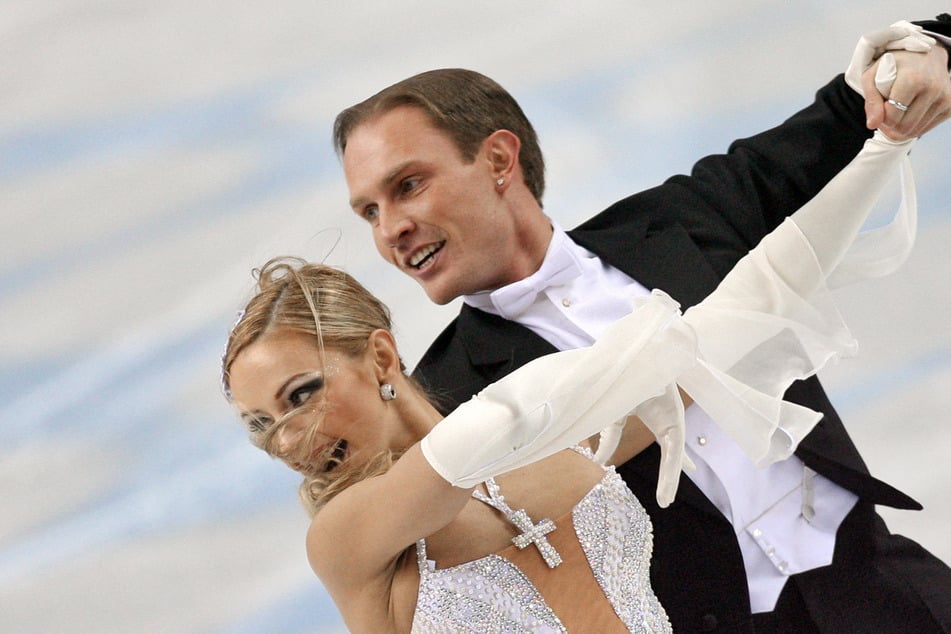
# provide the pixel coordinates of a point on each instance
(386, 181)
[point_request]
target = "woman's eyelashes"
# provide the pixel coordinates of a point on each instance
(257, 424)
(302, 393)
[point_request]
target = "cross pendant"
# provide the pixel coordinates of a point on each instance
(535, 534)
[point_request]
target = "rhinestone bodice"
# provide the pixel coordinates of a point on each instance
(492, 594)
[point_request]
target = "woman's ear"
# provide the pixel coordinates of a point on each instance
(381, 349)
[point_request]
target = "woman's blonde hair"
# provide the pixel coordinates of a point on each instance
(330, 305)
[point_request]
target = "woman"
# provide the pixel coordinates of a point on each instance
(497, 518)
(348, 429)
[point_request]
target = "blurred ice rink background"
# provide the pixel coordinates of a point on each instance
(152, 153)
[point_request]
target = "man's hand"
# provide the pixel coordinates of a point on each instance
(922, 84)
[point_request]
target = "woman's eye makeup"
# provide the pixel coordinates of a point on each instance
(300, 394)
(256, 425)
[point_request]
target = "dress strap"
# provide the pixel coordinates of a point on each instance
(587, 453)
(421, 560)
(531, 533)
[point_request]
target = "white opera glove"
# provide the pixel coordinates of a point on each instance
(832, 220)
(885, 74)
(900, 36)
(661, 415)
(773, 321)
(561, 399)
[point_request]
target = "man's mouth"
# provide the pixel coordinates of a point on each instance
(423, 257)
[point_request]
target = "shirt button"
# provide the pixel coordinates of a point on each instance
(757, 533)
(566, 303)
(782, 566)
(701, 440)
(708, 623)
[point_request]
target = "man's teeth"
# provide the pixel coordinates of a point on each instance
(424, 253)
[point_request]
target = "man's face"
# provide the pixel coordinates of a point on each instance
(437, 218)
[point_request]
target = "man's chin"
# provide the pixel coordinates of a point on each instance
(438, 295)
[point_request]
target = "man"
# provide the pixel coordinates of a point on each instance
(447, 170)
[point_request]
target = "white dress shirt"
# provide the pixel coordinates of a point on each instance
(785, 516)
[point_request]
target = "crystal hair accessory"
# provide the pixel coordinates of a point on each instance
(224, 375)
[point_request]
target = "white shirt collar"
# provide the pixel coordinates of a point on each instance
(560, 266)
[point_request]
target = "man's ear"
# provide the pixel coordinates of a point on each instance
(382, 352)
(501, 149)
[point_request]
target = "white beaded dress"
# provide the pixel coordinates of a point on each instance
(602, 548)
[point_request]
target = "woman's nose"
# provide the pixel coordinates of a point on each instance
(287, 438)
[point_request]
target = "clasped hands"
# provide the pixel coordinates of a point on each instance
(903, 64)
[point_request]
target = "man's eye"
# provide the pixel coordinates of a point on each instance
(409, 184)
(301, 394)
(370, 214)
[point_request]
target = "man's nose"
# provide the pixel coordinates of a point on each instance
(395, 223)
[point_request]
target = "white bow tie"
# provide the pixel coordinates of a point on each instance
(559, 267)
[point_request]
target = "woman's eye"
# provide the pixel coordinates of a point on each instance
(256, 425)
(301, 394)
(298, 397)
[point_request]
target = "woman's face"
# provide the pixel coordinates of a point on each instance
(339, 393)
